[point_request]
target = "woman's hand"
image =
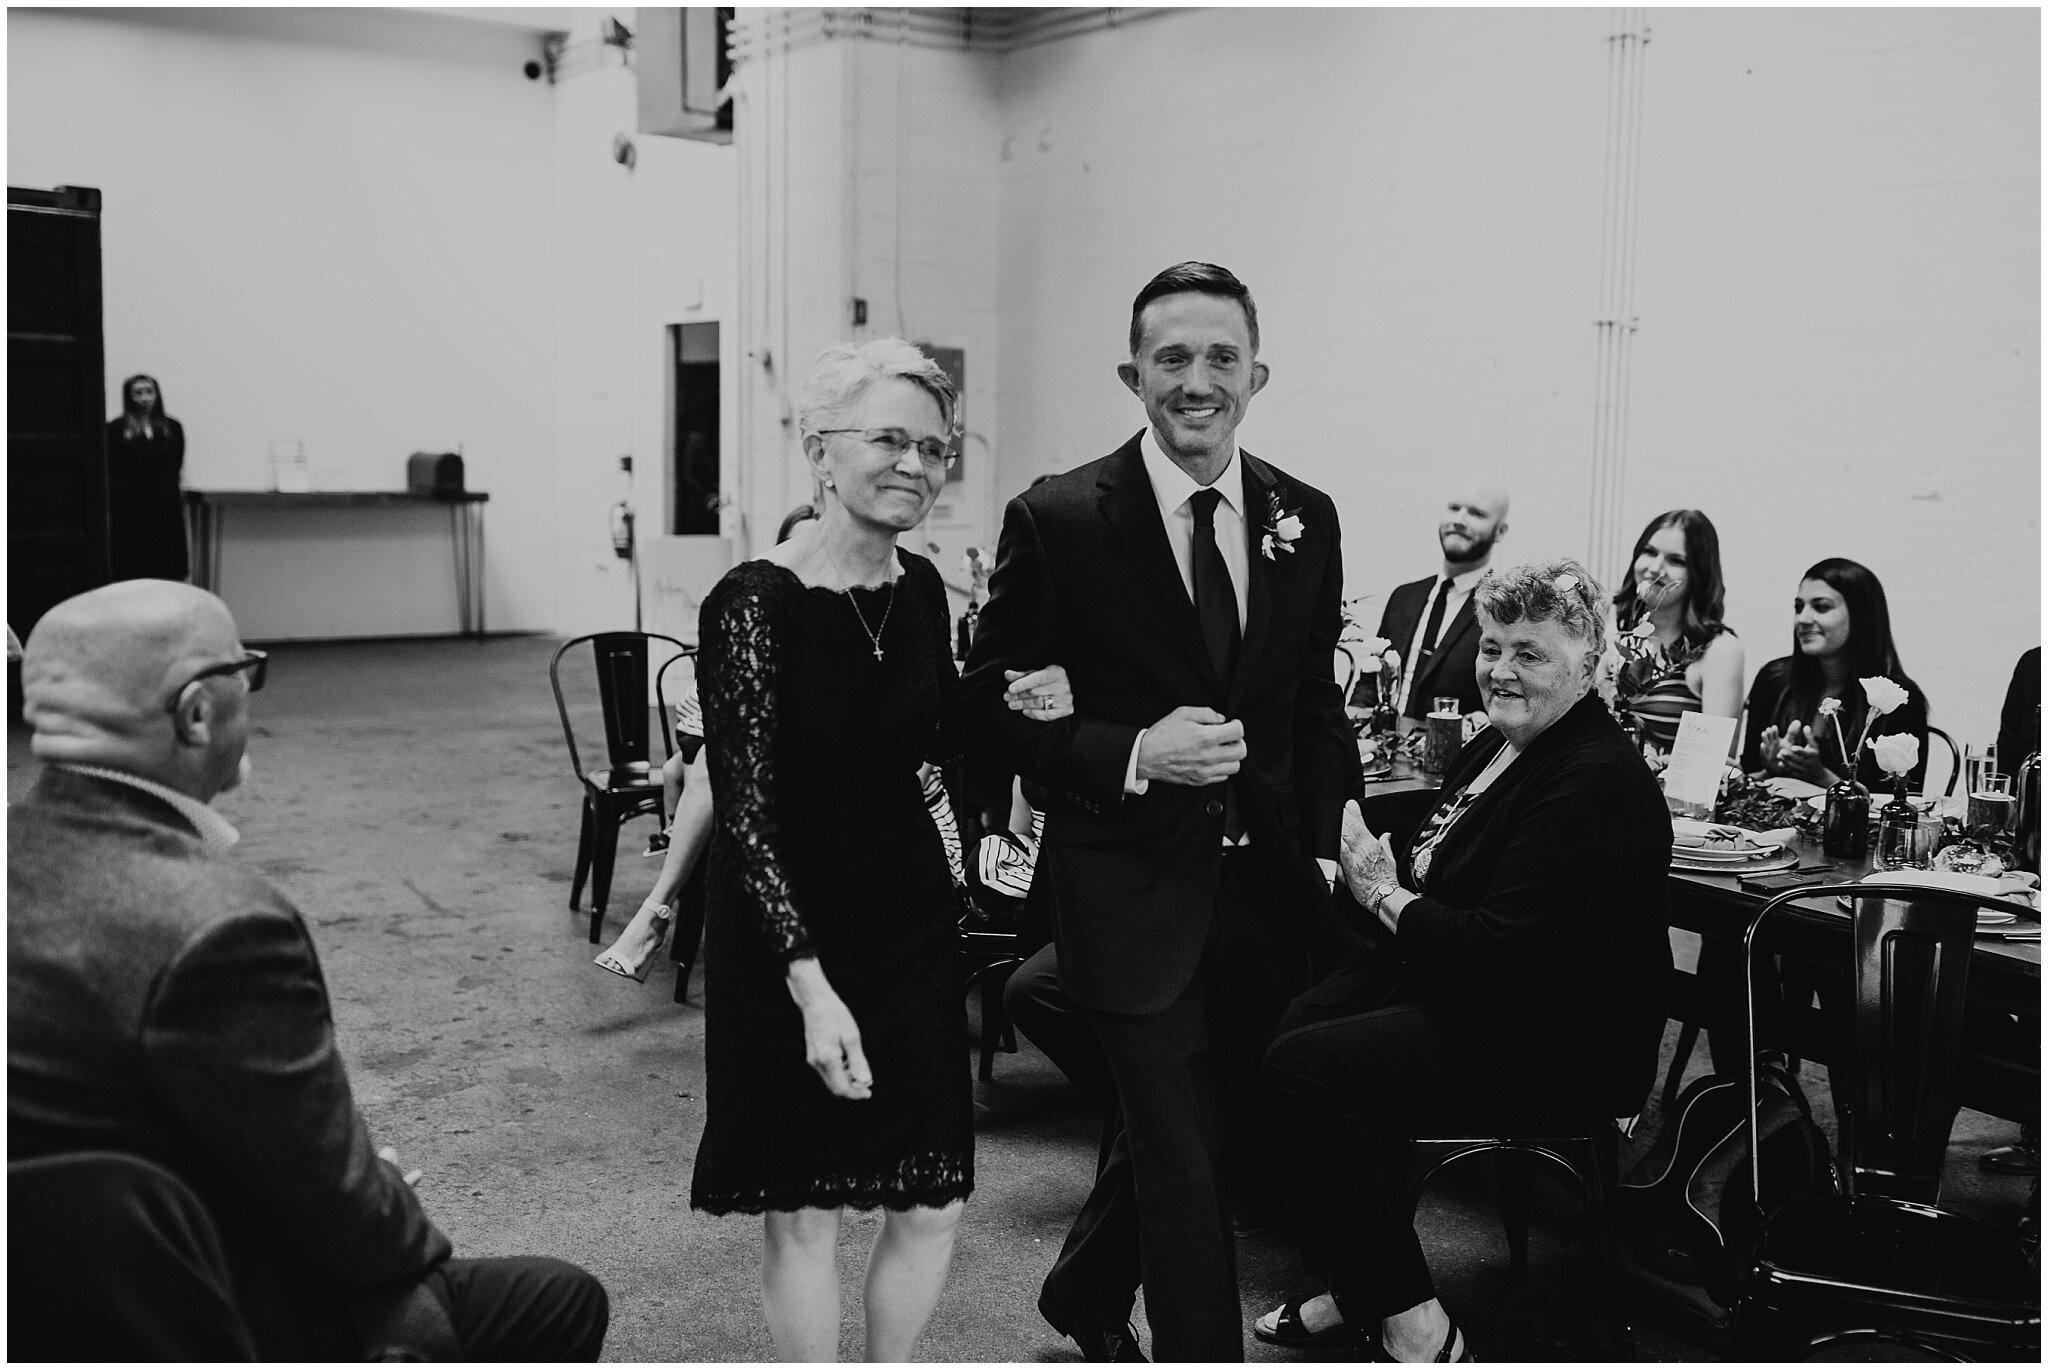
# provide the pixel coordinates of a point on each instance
(1368, 864)
(1042, 695)
(1794, 754)
(831, 1037)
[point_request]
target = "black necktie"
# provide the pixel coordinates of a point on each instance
(1215, 598)
(1216, 607)
(1436, 618)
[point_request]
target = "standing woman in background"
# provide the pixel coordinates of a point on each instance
(1841, 636)
(145, 509)
(1672, 654)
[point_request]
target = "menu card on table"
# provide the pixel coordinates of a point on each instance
(1692, 776)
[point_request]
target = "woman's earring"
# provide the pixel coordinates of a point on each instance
(829, 485)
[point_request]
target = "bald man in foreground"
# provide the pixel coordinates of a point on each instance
(1430, 622)
(165, 1002)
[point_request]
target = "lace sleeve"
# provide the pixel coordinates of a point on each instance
(738, 665)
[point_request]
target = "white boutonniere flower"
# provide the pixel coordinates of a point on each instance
(1283, 526)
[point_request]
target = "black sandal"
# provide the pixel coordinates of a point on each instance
(1289, 1330)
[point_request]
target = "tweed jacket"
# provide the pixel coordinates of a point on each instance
(1546, 911)
(166, 1001)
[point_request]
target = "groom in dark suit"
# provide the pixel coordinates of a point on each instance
(1192, 592)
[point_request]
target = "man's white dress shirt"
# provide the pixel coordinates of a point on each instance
(1460, 591)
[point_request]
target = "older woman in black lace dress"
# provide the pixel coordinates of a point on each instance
(834, 1042)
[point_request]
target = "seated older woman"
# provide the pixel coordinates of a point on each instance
(1521, 990)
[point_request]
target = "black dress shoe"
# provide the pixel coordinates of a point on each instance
(1109, 1344)
(2017, 1159)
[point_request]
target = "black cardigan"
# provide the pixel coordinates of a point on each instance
(1547, 912)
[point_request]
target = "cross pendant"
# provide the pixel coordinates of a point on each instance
(878, 653)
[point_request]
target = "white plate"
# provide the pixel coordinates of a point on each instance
(1753, 845)
(1753, 865)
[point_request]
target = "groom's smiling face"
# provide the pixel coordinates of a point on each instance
(1196, 374)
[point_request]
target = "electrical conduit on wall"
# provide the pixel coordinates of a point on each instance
(1615, 321)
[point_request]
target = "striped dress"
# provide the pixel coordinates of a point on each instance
(1653, 690)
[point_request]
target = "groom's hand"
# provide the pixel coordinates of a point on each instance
(1191, 746)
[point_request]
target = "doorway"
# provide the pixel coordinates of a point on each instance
(693, 429)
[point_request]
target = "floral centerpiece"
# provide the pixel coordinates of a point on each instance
(1380, 727)
(1845, 827)
(1643, 659)
(1749, 803)
(1883, 696)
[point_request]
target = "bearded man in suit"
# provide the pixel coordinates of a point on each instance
(1431, 622)
(165, 1002)
(1193, 593)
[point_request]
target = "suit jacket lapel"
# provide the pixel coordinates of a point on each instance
(1132, 512)
(1260, 572)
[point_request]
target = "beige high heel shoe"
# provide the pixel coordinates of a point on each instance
(653, 934)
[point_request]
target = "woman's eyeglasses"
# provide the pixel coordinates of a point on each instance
(255, 663)
(936, 453)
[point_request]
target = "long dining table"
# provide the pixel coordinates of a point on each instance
(2000, 1069)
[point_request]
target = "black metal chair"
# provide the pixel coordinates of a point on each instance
(1591, 1160)
(1955, 759)
(991, 958)
(113, 1258)
(628, 784)
(1880, 1261)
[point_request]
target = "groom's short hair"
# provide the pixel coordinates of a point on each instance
(1201, 278)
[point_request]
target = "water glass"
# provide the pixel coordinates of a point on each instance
(1993, 805)
(1979, 764)
(1905, 842)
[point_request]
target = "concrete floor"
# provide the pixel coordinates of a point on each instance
(416, 800)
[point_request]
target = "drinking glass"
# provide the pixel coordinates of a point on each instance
(1978, 763)
(1993, 805)
(1905, 842)
(1446, 734)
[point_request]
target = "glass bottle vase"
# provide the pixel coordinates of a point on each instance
(1845, 823)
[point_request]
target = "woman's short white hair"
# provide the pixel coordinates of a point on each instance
(1562, 590)
(844, 371)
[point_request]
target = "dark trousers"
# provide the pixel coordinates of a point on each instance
(523, 1308)
(1041, 1010)
(1354, 1088)
(1159, 1213)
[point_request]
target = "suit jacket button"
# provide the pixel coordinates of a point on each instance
(1215, 808)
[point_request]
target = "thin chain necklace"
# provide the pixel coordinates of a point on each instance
(875, 633)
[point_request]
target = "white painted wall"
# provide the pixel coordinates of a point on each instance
(869, 171)
(636, 251)
(322, 229)
(369, 231)
(1837, 282)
